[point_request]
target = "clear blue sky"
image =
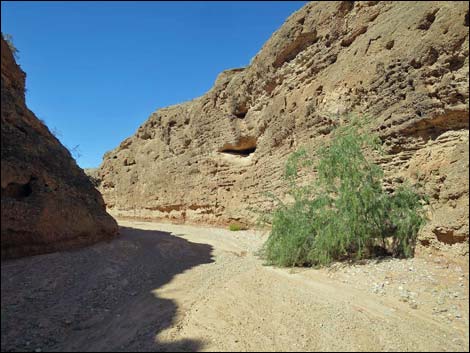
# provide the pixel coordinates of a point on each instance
(96, 70)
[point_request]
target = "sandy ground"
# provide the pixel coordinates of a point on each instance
(163, 287)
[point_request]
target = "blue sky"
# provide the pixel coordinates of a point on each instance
(96, 70)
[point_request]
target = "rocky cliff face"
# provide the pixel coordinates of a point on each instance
(47, 201)
(404, 64)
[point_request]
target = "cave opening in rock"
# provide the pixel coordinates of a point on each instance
(17, 191)
(240, 115)
(244, 147)
(244, 152)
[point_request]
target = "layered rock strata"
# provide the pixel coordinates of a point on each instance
(47, 201)
(403, 64)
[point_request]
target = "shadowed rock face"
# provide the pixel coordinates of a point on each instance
(47, 201)
(404, 64)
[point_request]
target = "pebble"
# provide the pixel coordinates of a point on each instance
(378, 288)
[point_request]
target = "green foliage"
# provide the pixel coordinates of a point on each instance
(9, 39)
(405, 214)
(234, 227)
(345, 213)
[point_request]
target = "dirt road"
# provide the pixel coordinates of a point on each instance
(162, 287)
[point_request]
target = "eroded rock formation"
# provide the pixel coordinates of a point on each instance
(405, 64)
(47, 201)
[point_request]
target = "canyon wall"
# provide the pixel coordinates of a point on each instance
(47, 201)
(403, 64)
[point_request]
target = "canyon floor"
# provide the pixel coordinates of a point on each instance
(164, 287)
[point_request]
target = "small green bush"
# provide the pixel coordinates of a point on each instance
(345, 213)
(234, 227)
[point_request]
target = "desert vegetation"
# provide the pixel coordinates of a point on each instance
(236, 226)
(9, 40)
(156, 249)
(345, 213)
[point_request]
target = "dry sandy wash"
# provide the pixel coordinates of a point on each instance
(163, 287)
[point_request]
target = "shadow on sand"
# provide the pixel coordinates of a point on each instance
(101, 298)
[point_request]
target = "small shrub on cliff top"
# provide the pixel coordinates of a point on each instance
(9, 40)
(345, 213)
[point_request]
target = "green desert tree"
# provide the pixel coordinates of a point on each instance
(345, 213)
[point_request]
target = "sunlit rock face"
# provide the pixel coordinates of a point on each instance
(403, 64)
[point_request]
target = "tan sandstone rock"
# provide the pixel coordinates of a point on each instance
(47, 201)
(404, 64)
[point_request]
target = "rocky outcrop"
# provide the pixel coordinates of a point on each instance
(47, 201)
(404, 64)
